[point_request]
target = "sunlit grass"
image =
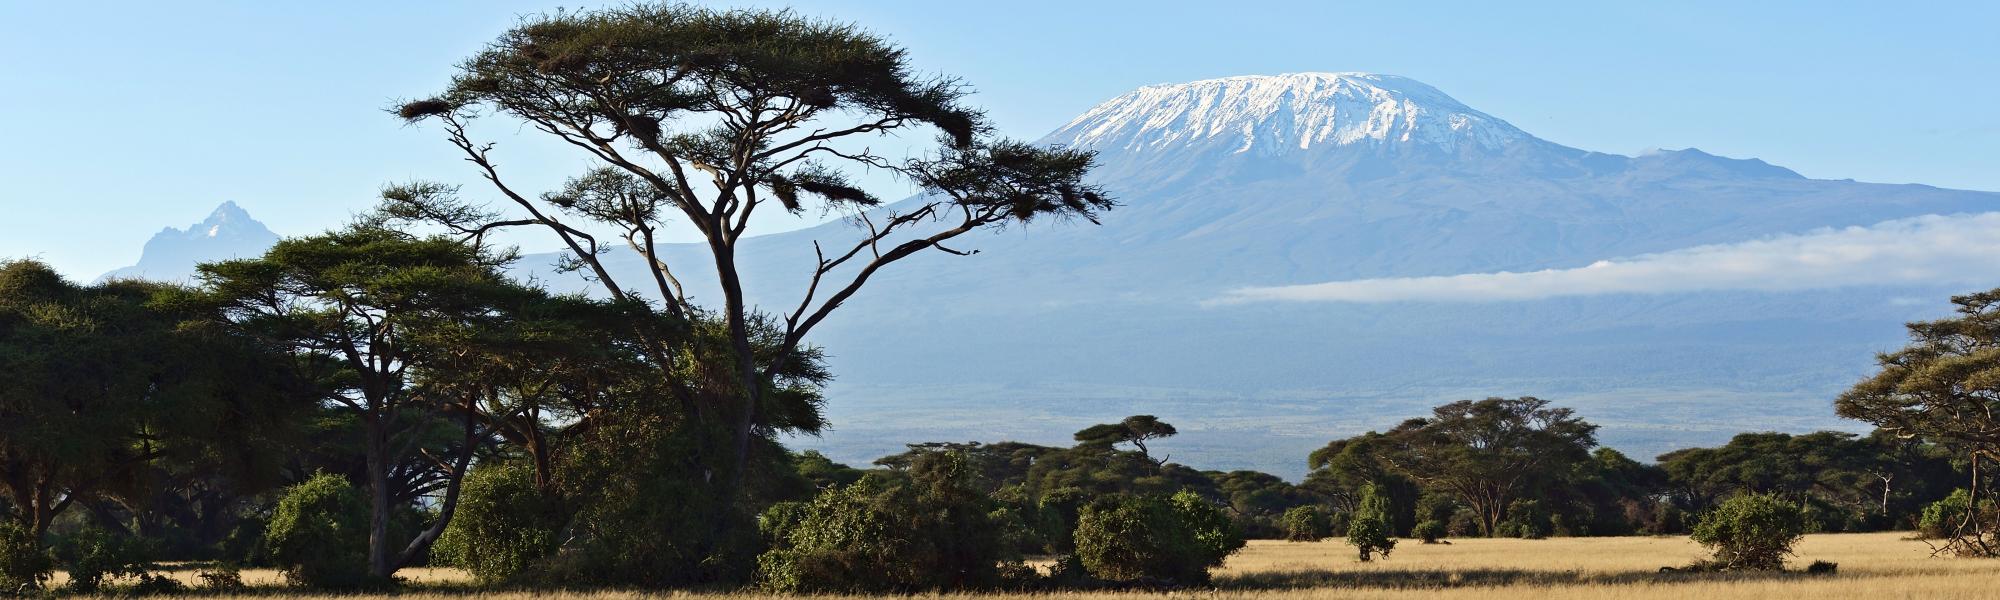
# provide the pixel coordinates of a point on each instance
(1873, 566)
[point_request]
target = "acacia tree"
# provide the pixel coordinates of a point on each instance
(1486, 452)
(1944, 387)
(701, 118)
(371, 313)
(105, 386)
(1134, 430)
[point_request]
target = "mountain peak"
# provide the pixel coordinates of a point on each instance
(228, 232)
(1283, 114)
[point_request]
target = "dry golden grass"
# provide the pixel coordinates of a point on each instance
(1873, 566)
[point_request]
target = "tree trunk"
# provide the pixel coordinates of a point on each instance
(459, 466)
(378, 501)
(746, 368)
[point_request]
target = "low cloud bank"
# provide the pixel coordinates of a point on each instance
(1927, 249)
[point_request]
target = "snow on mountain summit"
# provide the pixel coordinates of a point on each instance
(1279, 114)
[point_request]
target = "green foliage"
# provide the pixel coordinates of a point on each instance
(225, 578)
(92, 555)
(1308, 523)
(23, 560)
(1941, 519)
(1174, 539)
(1134, 430)
(1217, 535)
(1368, 530)
(931, 531)
(1526, 519)
(1751, 531)
(822, 472)
(1485, 452)
(1429, 531)
(503, 526)
(319, 533)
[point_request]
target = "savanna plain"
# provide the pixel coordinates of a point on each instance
(1872, 565)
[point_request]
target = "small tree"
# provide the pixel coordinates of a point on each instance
(505, 523)
(1152, 537)
(1307, 523)
(1752, 531)
(1134, 430)
(1368, 530)
(885, 533)
(1429, 531)
(93, 555)
(23, 561)
(319, 533)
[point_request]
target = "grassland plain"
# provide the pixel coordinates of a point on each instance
(1873, 566)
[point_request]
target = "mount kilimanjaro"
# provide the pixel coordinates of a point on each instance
(1300, 179)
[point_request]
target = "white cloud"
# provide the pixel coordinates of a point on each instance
(1927, 249)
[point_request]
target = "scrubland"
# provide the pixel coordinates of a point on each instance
(1872, 566)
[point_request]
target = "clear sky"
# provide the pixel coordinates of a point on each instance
(118, 119)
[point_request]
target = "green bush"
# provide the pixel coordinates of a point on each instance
(92, 555)
(503, 525)
(23, 561)
(1368, 529)
(931, 531)
(1307, 523)
(1429, 531)
(224, 578)
(1942, 518)
(1174, 539)
(319, 533)
(1752, 531)
(1526, 519)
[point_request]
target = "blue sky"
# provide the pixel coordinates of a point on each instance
(118, 119)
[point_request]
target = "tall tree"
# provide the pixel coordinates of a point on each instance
(702, 118)
(367, 311)
(1944, 387)
(1486, 452)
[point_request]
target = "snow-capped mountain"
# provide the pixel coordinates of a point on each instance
(1285, 113)
(171, 255)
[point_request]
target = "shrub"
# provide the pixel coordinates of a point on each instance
(1464, 522)
(222, 578)
(1307, 523)
(23, 561)
(92, 555)
(1752, 531)
(880, 534)
(1368, 529)
(1428, 531)
(504, 524)
(1820, 567)
(1526, 519)
(1173, 539)
(150, 584)
(319, 533)
(1942, 518)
